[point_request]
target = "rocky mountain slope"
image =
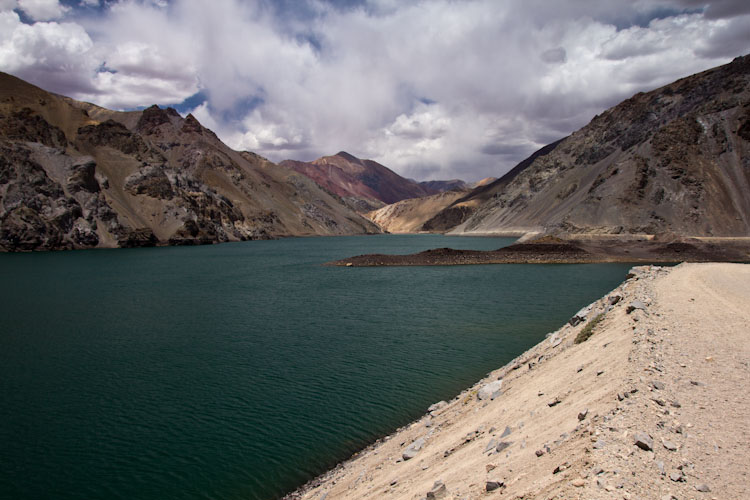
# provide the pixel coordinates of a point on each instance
(73, 175)
(409, 216)
(674, 160)
(365, 184)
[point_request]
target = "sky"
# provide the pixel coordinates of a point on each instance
(433, 89)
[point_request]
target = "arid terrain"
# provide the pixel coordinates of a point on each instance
(74, 175)
(670, 161)
(651, 405)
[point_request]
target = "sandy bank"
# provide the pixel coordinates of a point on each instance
(652, 405)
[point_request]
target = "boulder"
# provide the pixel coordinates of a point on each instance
(438, 490)
(412, 450)
(491, 390)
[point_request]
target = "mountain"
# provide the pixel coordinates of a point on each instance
(74, 175)
(672, 161)
(409, 216)
(441, 186)
(366, 184)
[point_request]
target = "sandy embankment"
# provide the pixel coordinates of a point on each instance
(670, 373)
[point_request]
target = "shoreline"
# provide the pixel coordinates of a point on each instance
(570, 250)
(566, 418)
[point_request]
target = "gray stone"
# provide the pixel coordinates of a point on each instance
(636, 304)
(502, 445)
(614, 299)
(491, 390)
(583, 414)
(438, 490)
(506, 432)
(669, 445)
(437, 406)
(643, 441)
(657, 385)
(580, 316)
(428, 422)
(557, 342)
(660, 466)
(494, 484)
(490, 445)
(412, 450)
(703, 488)
(677, 476)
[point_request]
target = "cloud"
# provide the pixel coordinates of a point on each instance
(450, 89)
(43, 10)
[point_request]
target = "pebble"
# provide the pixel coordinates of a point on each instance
(583, 414)
(676, 476)
(490, 467)
(643, 441)
(506, 432)
(494, 484)
(438, 490)
(539, 453)
(657, 385)
(578, 483)
(669, 445)
(502, 445)
(703, 488)
(660, 466)
(600, 443)
(413, 449)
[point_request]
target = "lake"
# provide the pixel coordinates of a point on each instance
(242, 370)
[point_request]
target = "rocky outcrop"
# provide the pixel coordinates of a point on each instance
(73, 175)
(674, 160)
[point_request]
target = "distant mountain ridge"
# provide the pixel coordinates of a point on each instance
(365, 182)
(672, 161)
(74, 175)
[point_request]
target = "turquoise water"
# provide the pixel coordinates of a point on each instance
(239, 371)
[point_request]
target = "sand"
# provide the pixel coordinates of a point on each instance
(669, 361)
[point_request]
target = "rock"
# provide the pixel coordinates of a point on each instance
(491, 390)
(669, 445)
(636, 304)
(660, 402)
(557, 342)
(614, 299)
(660, 466)
(490, 445)
(554, 402)
(600, 443)
(676, 404)
(643, 441)
(413, 449)
(490, 467)
(703, 488)
(539, 453)
(506, 432)
(582, 415)
(428, 422)
(502, 445)
(677, 476)
(438, 490)
(578, 483)
(437, 406)
(657, 385)
(494, 484)
(580, 316)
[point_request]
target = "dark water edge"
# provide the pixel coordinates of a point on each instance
(244, 370)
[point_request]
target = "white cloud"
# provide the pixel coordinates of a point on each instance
(437, 87)
(6, 5)
(43, 10)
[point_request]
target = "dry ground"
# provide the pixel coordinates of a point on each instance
(669, 359)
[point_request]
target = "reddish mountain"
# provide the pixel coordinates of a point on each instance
(353, 178)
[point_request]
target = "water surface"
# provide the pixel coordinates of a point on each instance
(239, 371)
